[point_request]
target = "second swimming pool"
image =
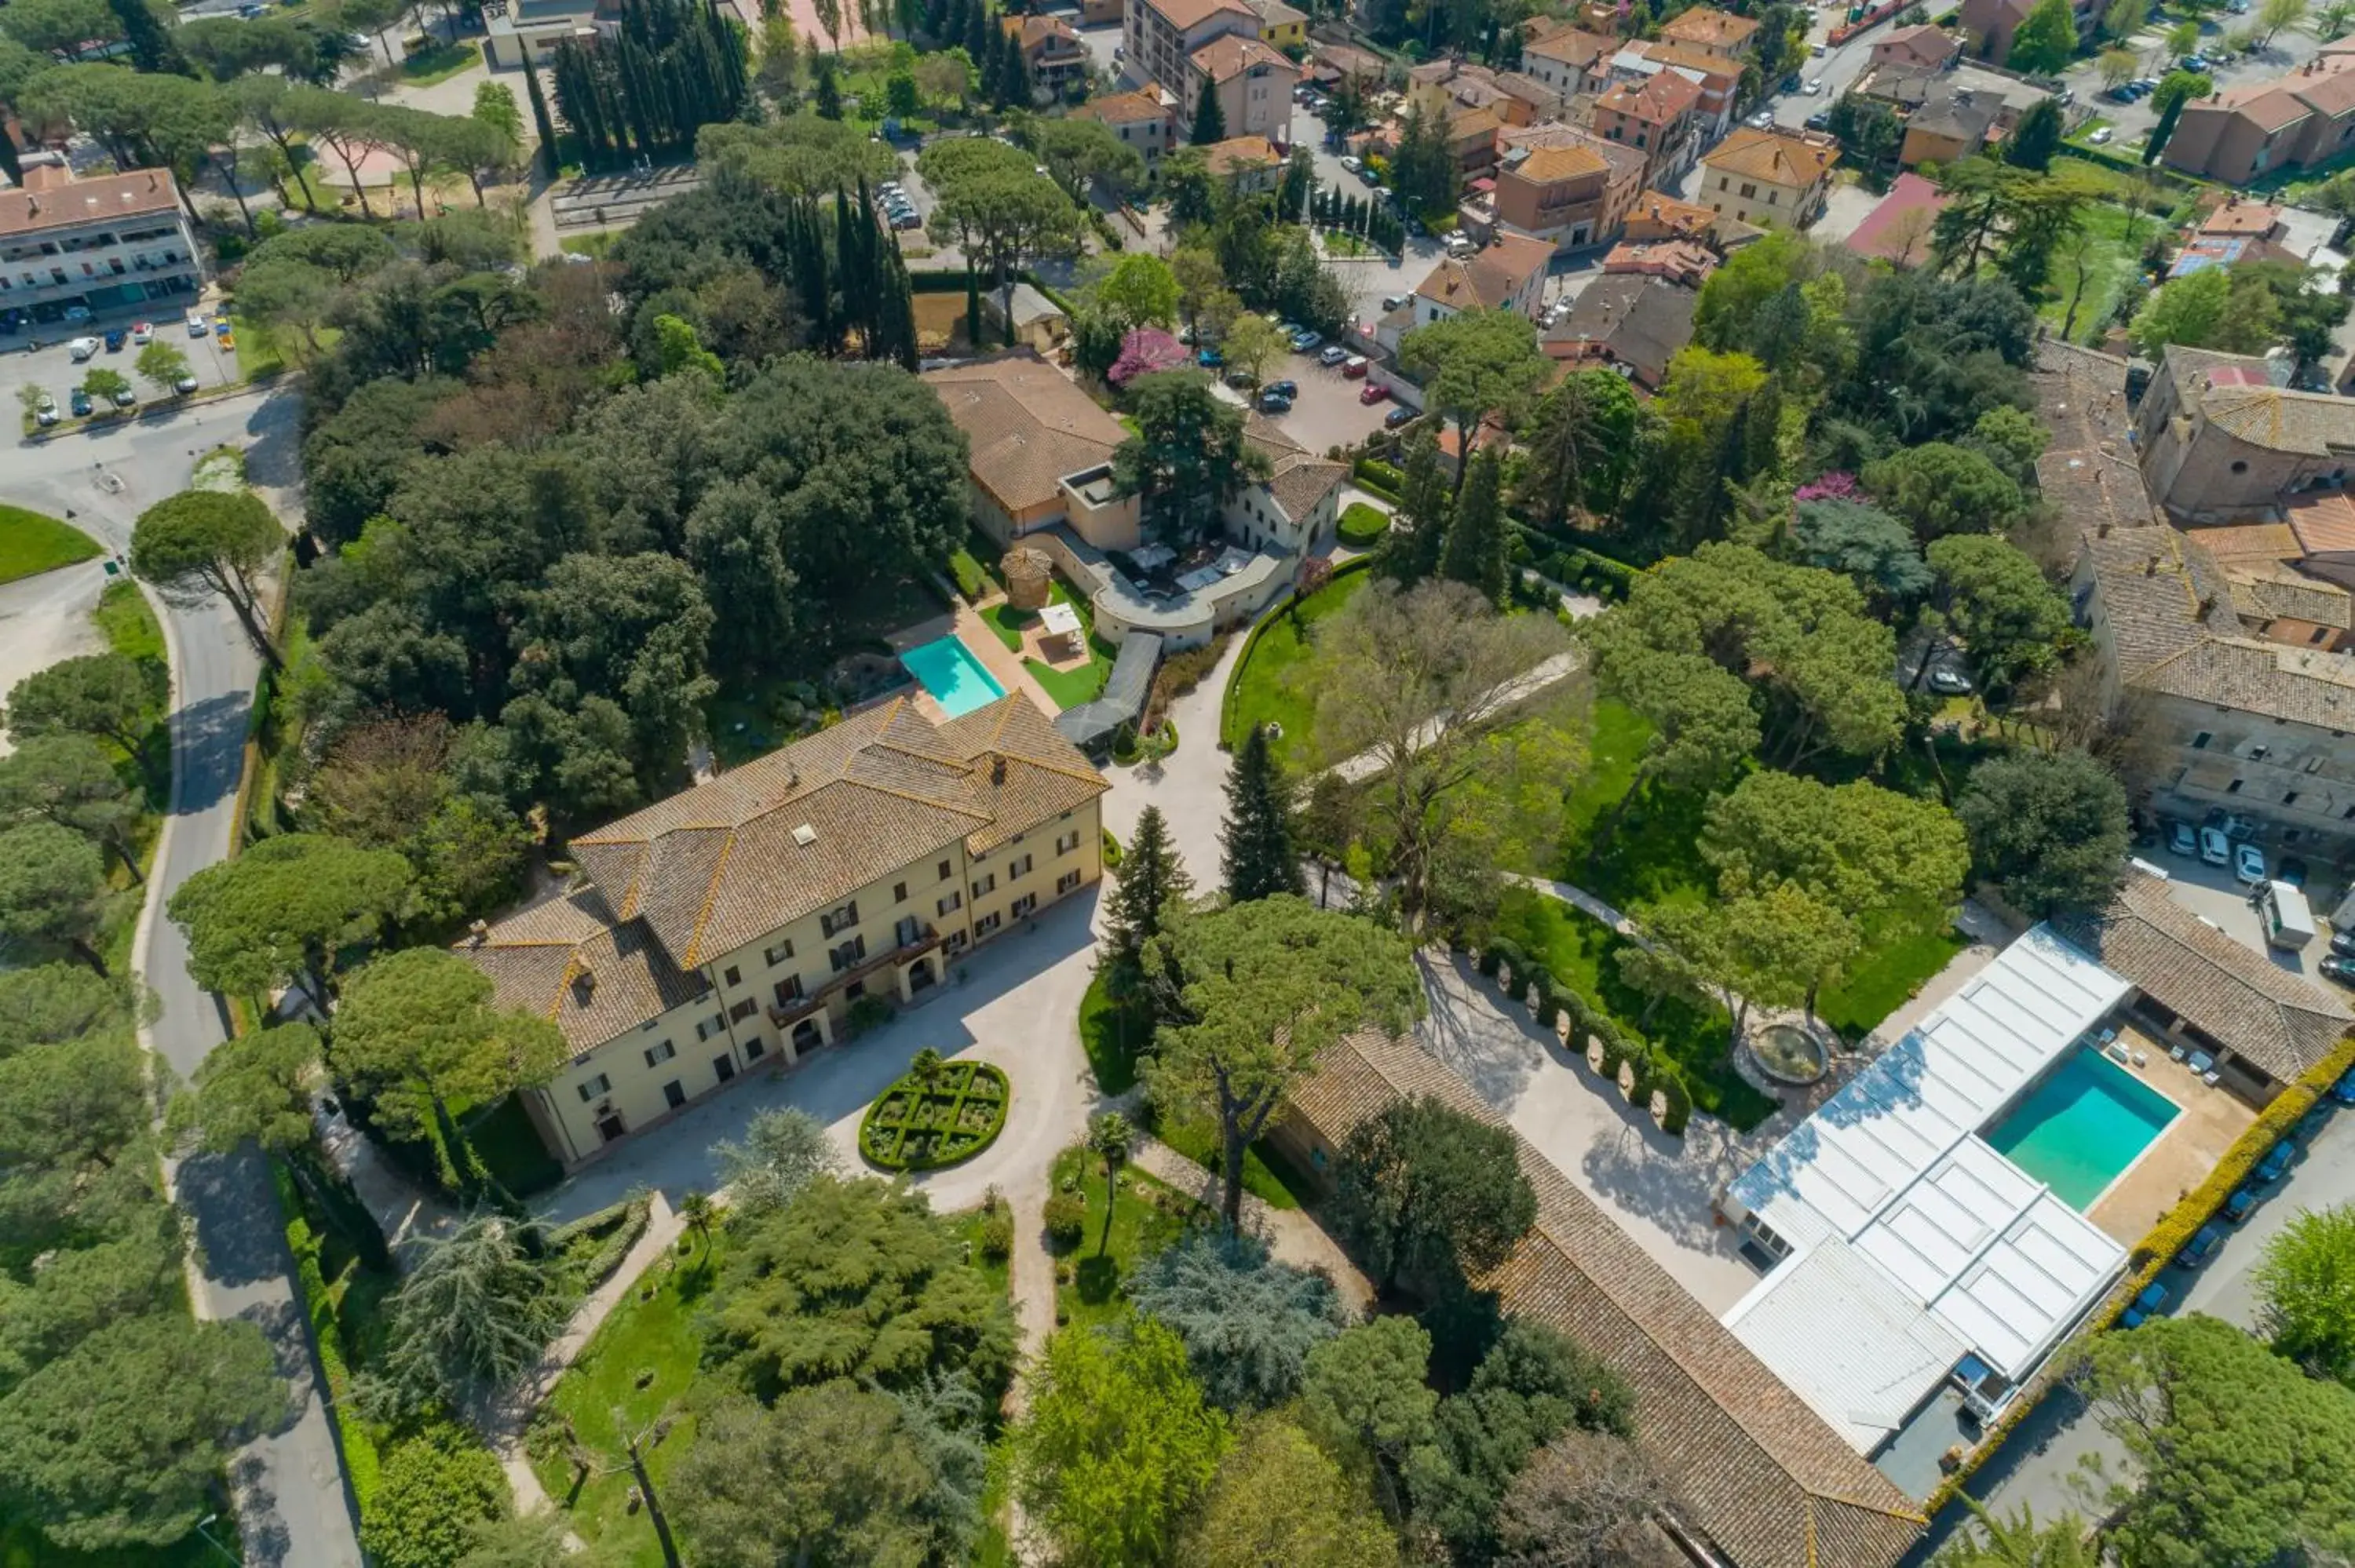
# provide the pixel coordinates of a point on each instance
(2082, 1127)
(947, 669)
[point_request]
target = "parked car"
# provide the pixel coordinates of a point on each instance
(1399, 415)
(1372, 392)
(1334, 354)
(2343, 1091)
(1353, 163)
(2152, 1296)
(1369, 177)
(78, 401)
(2181, 838)
(1392, 301)
(227, 339)
(2214, 847)
(124, 397)
(2249, 864)
(1354, 367)
(77, 312)
(1821, 120)
(2234, 825)
(2275, 1163)
(114, 340)
(1815, 87)
(2202, 1246)
(1274, 402)
(196, 321)
(2100, 136)
(906, 220)
(2242, 1204)
(1285, 388)
(45, 412)
(1241, 380)
(143, 335)
(1210, 358)
(185, 385)
(1305, 340)
(81, 348)
(2340, 967)
(1950, 682)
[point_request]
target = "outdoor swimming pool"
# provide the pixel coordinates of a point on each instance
(947, 669)
(2082, 1127)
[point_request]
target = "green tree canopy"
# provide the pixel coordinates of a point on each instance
(1258, 836)
(1250, 1323)
(1891, 862)
(1942, 489)
(2306, 1291)
(1586, 1499)
(2046, 39)
(70, 780)
(473, 1315)
(1424, 1193)
(2049, 829)
(52, 889)
(1189, 458)
(258, 1086)
(104, 694)
(1254, 992)
(285, 909)
(42, 1004)
(1475, 365)
(1996, 601)
(1278, 1497)
(202, 543)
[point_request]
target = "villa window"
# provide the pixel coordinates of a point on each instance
(778, 954)
(949, 905)
(789, 990)
(840, 919)
(848, 954)
(592, 1087)
(660, 1052)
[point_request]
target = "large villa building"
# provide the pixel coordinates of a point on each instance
(733, 926)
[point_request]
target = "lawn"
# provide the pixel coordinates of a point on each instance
(439, 63)
(999, 1272)
(1080, 683)
(591, 245)
(1885, 980)
(1147, 1217)
(2114, 242)
(1362, 526)
(1267, 1175)
(1577, 949)
(1112, 1035)
(1066, 688)
(974, 565)
(31, 544)
(640, 1364)
(1267, 684)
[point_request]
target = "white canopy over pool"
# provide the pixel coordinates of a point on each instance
(1912, 1242)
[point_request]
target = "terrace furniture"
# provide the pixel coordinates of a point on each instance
(2175, 1053)
(2140, 1060)
(2200, 1062)
(2211, 1079)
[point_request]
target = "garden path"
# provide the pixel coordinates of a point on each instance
(1529, 684)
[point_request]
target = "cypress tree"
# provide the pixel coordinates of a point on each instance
(1148, 886)
(153, 49)
(1476, 541)
(1017, 73)
(8, 160)
(1209, 120)
(829, 91)
(904, 308)
(992, 61)
(551, 151)
(1259, 855)
(976, 33)
(972, 303)
(1411, 555)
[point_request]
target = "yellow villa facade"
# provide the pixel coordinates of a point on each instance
(731, 928)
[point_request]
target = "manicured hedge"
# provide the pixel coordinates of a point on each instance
(908, 1128)
(594, 1244)
(1614, 1045)
(1363, 526)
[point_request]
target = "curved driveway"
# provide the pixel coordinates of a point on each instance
(293, 1506)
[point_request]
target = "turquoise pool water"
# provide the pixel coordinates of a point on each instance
(948, 669)
(2081, 1126)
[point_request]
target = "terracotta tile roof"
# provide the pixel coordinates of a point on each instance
(1028, 426)
(1186, 14)
(1548, 165)
(2261, 1011)
(2244, 544)
(1528, 89)
(1921, 42)
(1755, 1470)
(1490, 278)
(1657, 99)
(1122, 108)
(1625, 161)
(1709, 27)
(1226, 56)
(1891, 231)
(1239, 152)
(2322, 522)
(2326, 85)
(2282, 593)
(2235, 391)
(1298, 481)
(1722, 74)
(2268, 105)
(1470, 126)
(1627, 318)
(1659, 215)
(1276, 14)
(698, 875)
(2087, 470)
(1573, 46)
(1772, 155)
(56, 203)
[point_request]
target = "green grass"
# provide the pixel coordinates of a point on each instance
(1268, 684)
(31, 542)
(593, 245)
(1066, 688)
(128, 624)
(512, 1148)
(1267, 1176)
(1112, 1035)
(1000, 1272)
(439, 63)
(1885, 980)
(1614, 749)
(23, 1546)
(1080, 683)
(974, 566)
(1362, 526)
(1147, 1217)
(655, 1337)
(2115, 240)
(1578, 948)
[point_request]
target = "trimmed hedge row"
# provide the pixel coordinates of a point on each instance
(361, 1462)
(913, 1129)
(1592, 571)
(1382, 479)
(613, 1230)
(2156, 1250)
(1620, 1054)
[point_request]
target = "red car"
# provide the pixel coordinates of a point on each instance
(1373, 392)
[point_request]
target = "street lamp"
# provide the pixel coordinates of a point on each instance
(216, 1546)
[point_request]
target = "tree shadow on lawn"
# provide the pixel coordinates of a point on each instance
(1651, 855)
(1097, 1278)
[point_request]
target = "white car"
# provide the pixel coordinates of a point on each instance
(196, 322)
(144, 334)
(2100, 136)
(2214, 847)
(81, 348)
(1815, 87)
(1353, 163)
(2249, 864)
(45, 413)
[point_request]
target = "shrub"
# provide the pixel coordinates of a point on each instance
(1380, 478)
(997, 1235)
(436, 1490)
(1363, 526)
(1679, 1109)
(869, 1012)
(1111, 850)
(1550, 1010)
(1067, 1220)
(1491, 958)
(911, 1126)
(594, 1245)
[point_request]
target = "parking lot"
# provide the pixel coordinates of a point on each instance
(53, 368)
(2216, 895)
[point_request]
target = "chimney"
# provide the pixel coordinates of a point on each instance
(584, 986)
(997, 771)
(478, 933)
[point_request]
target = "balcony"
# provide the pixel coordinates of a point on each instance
(927, 938)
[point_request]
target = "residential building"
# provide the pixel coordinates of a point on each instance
(2088, 469)
(1507, 274)
(1295, 510)
(734, 926)
(1628, 320)
(1922, 46)
(1771, 178)
(1570, 61)
(1039, 322)
(1145, 118)
(1990, 26)
(1948, 124)
(1281, 26)
(1659, 216)
(1444, 88)
(1720, 81)
(1658, 116)
(1159, 37)
(1908, 88)
(1686, 261)
(1472, 141)
(1759, 1477)
(1250, 165)
(2236, 219)
(1528, 101)
(2221, 439)
(1898, 228)
(1252, 81)
(1041, 450)
(1328, 64)
(1053, 51)
(1568, 195)
(529, 30)
(108, 243)
(1719, 33)
(2290, 123)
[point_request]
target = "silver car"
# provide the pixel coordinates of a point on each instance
(2214, 847)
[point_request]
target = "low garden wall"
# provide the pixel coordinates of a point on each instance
(1617, 1054)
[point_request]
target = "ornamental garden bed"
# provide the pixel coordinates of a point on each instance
(938, 1114)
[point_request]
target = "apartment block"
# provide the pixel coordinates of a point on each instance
(106, 244)
(1160, 37)
(732, 926)
(1771, 178)
(1253, 83)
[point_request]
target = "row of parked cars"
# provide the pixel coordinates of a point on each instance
(899, 209)
(2224, 840)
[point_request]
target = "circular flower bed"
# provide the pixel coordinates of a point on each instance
(1789, 1054)
(917, 1124)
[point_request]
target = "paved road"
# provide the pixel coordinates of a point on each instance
(292, 1502)
(2041, 1467)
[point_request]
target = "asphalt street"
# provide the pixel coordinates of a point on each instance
(2043, 1467)
(292, 1504)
